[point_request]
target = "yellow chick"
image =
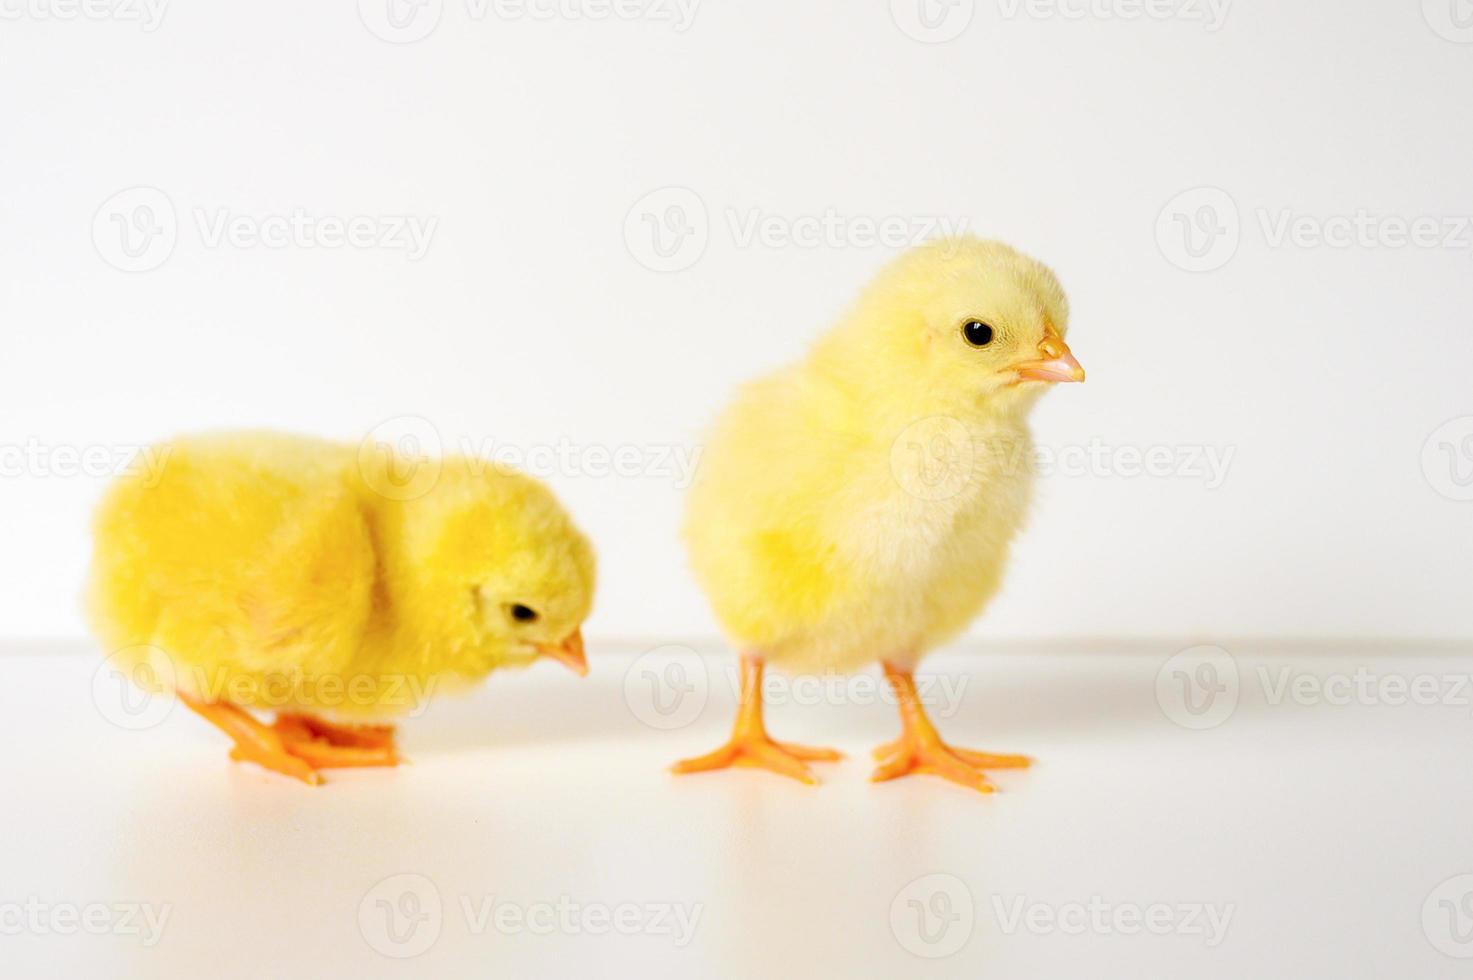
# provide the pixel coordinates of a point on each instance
(268, 571)
(859, 505)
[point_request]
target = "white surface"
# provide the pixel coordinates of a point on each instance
(529, 323)
(1325, 828)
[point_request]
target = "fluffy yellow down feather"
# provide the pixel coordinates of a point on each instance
(859, 505)
(275, 571)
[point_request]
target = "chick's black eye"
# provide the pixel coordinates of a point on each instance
(523, 614)
(978, 334)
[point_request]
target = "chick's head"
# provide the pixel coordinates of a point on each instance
(502, 569)
(970, 322)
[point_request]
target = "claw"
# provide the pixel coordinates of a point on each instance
(282, 762)
(809, 752)
(988, 760)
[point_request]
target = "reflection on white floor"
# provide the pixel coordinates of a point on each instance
(1248, 812)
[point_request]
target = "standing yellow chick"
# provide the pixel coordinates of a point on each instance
(271, 571)
(859, 505)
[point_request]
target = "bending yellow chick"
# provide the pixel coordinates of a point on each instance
(859, 505)
(270, 571)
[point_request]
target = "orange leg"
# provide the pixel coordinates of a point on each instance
(749, 744)
(920, 748)
(329, 746)
(254, 742)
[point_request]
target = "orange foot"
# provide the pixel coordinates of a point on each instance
(254, 742)
(325, 745)
(357, 736)
(759, 751)
(920, 748)
(749, 744)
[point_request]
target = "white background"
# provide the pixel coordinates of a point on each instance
(531, 321)
(541, 148)
(1291, 814)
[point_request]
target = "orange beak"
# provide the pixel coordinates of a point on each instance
(1055, 362)
(569, 652)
